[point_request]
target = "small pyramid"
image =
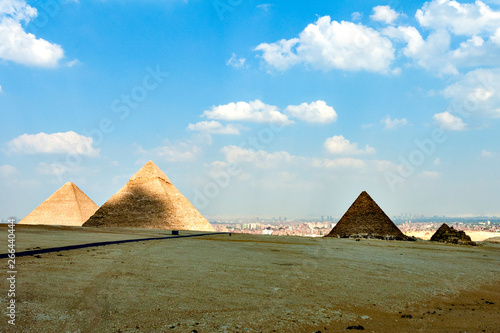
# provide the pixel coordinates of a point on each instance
(150, 201)
(68, 206)
(446, 234)
(365, 219)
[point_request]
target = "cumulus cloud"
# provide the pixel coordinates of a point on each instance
(255, 111)
(467, 19)
(260, 159)
(496, 37)
(214, 127)
(235, 62)
(19, 46)
(340, 145)
(477, 94)
(432, 53)
(179, 151)
(446, 120)
(449, 36)
(328, 45)
(384, 14)
(55, 143)
(474, 28)
(394, 123)
(281, 54)
(316, 112)
(7, 171)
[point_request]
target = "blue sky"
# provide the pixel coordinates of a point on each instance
(253, 107)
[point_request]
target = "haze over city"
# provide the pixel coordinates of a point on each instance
(256, 108)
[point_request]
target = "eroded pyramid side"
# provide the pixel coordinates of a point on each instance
(67, 206)
(366, 219)
(445, 234)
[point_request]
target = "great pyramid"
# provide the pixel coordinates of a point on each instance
(149, 200)
(446, 234)
(67, 206)
(365, 219)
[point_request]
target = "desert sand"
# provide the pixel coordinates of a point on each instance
(251, 283)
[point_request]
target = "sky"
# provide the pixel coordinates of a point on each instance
(254, 108)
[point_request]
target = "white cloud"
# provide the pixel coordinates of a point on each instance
(255, 111)
(330, 45)
(180, 151)
(1, 90)
(394, 123)
(260, 159)
(316, 112)
(477, 93)
(448, 23)
(384, 14)
(466, 19)
(486, 154)
(236, 62)
(214, 127)
(52, 169)
(8, 171)
(448, 121)
(340, 145)
(356, 16)
(19, 10)
(280, 55)
(432, 54)
(55, 143)
(496, 37)
(437, 161)
(19, 46)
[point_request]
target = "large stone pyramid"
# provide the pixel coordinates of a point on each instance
(365, 219)
(149, 200)
(67, 206)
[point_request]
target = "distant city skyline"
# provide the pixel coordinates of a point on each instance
(254, 108)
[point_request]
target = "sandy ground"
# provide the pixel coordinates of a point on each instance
(250, 283)
(476, 236)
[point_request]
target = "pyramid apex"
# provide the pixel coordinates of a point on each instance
(148, 171)
(364, 196)
(69, 184)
